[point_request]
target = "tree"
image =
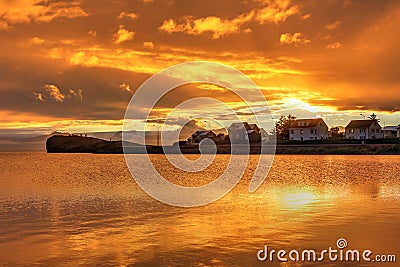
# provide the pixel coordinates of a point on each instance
(335, 133)
(282, 127)
(373, 116)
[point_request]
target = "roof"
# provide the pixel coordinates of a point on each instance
(202, 133)
(390, 128)
(299, 123)
(360, 123)
(245, 125)
(254, 126)
(239, 124)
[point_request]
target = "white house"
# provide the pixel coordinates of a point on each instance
(363, 129)
(308, 129)
(240, 132)
(389, 131)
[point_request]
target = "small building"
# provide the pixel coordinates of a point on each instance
(389, 132)
(364, 129)
(199, 135)
(242, 132)
(308, 129)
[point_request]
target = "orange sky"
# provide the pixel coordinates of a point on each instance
(74, 65)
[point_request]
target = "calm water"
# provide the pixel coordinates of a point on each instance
(69, 210)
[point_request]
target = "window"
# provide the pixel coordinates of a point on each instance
(373, 130)
(351, 131)
(302, 139)
(377, 131)
(362, 130)
(292, 131)
(301, 131)
(312, 131)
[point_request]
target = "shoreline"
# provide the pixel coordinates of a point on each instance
(76, 144)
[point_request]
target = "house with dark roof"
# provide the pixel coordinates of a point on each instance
(308, 129)
(241, 132)
(199, 135)
(389, 132)
(364, 129)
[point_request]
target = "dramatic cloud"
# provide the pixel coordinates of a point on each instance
(81, 58)
(294, 51)
(274, 12)
(214, 25)
(26, 11)
(296, 38)
(123, 35)
(54, 92)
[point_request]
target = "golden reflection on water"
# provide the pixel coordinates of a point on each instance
(296, 198)
(63, 210)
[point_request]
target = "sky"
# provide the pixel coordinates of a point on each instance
(74, 65)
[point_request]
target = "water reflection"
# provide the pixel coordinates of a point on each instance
(92, 213)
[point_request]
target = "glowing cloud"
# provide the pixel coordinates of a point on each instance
(126, 88)
(92, 33)
(81, 58)
(39, 11)
(54, 92)
(76, 93)
(214, 25)
(274, 12)
(148, 44)
(37, 41)
(333, 25)
(39, 96)
(334, 45)
(131, 15)
(296, 38)
(123, 35)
